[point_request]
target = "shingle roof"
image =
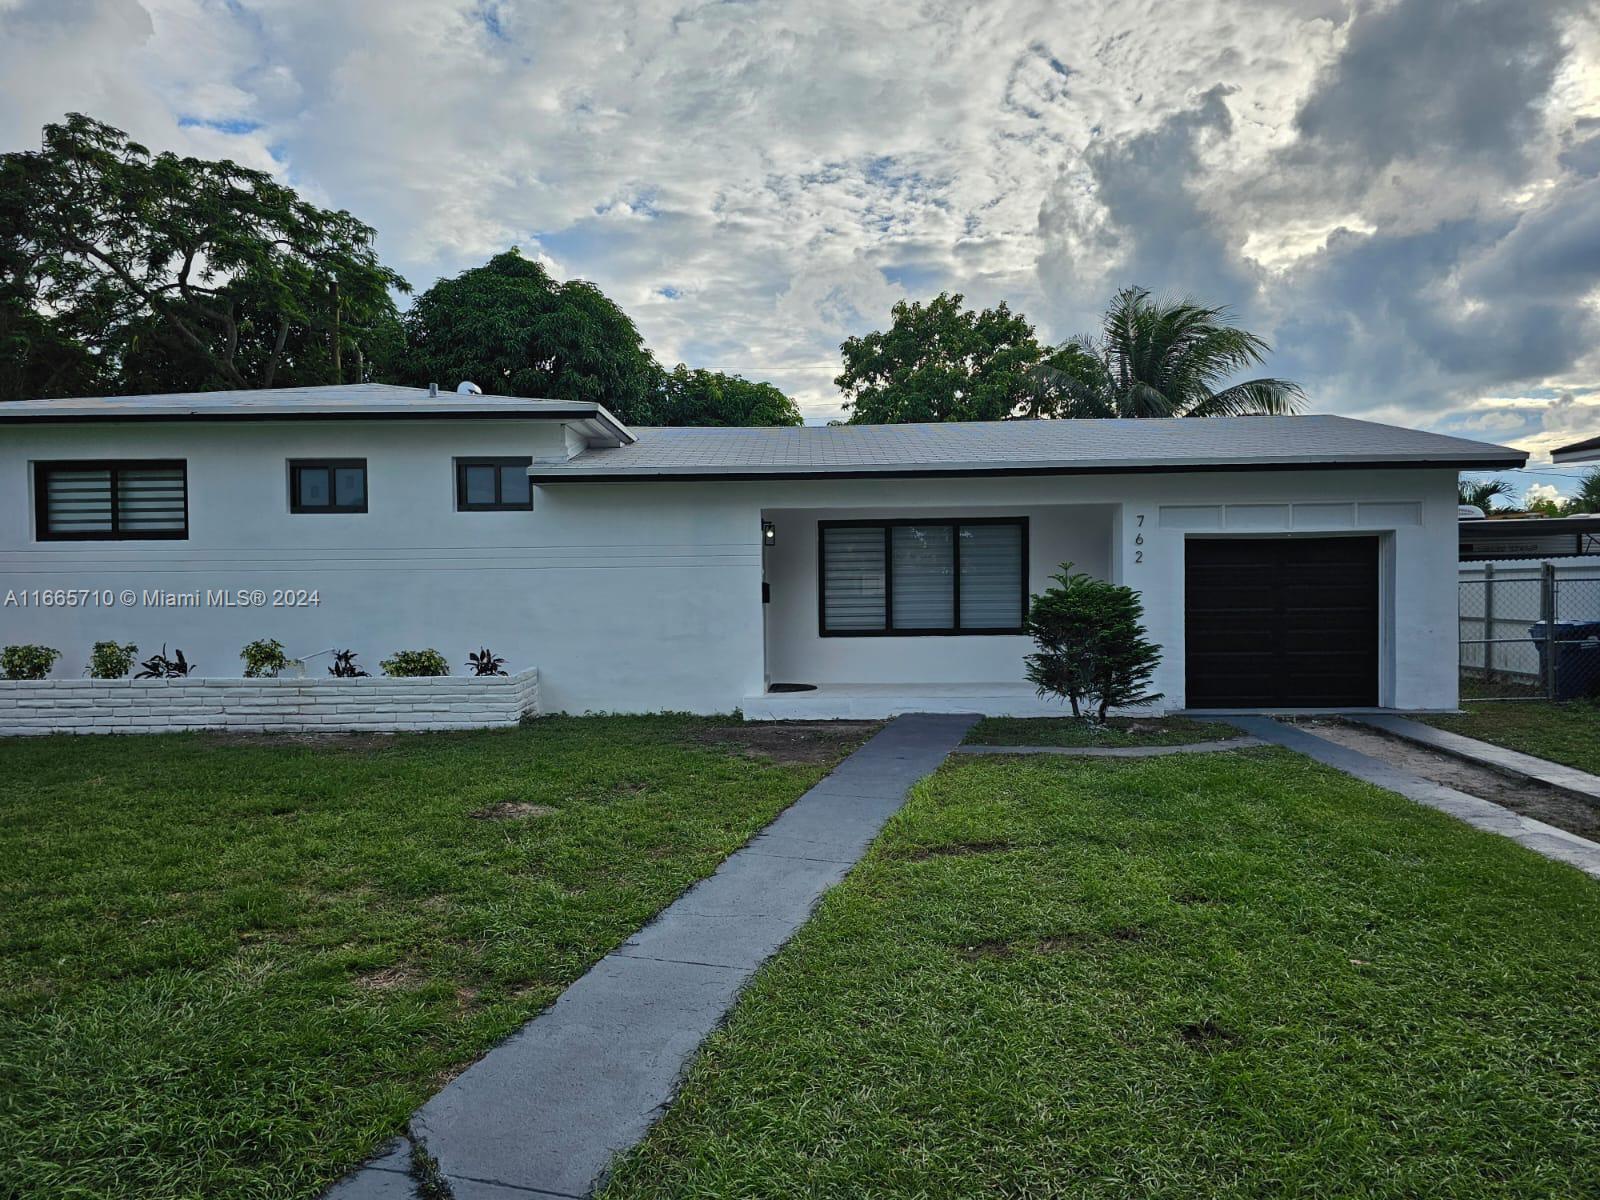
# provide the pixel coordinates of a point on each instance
(343, 401)
(1022, 447)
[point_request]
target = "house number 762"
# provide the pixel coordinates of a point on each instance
(1138, 538)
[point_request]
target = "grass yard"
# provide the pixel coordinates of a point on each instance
(1118, 731)
(1228, 975)
(232, 967)
(1565, 733)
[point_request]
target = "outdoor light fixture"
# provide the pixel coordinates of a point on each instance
(769, 533)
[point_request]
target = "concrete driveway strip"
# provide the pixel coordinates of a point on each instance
(546, 1111)
(1543, 839)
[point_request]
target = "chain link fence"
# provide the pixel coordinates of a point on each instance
(1530, 631)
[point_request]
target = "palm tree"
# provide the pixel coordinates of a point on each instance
(1481, 493)
(1160, 358)
(1587, 497)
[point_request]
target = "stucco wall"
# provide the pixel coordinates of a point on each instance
(625, 601)
(265, 705)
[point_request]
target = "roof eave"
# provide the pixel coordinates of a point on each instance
(579, 474)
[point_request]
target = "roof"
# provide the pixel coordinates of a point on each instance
(1530, 537)
(354, 401)
(1587, 450)
(1023, 448)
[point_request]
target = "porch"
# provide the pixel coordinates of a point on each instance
(873, 612)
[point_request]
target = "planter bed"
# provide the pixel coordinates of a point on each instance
(377, 704)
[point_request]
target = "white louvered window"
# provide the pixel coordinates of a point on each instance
(923, 577)
(111, 500)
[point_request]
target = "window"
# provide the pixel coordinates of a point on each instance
(120, 500)
(922, 577)
(493, 484)
(328, 485)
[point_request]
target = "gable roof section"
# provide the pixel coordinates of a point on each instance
(344, 402)
(1023, 448)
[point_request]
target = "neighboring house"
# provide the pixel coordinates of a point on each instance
(1584, 451)
(1284, 561)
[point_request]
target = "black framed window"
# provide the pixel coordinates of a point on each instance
(328, 485)
(493, 484)
(111, 499)
(917, 578)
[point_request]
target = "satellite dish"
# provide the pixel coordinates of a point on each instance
(467, 388)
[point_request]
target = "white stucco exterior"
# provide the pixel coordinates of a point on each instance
(646, 596)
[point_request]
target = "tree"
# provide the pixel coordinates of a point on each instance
(700, 397)
(1092, 646)
(1481, 493)
(1587, 498)
(175, 273)
(941, 362)
(510, 328)
(1159, 358)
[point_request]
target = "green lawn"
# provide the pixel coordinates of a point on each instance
(1118, 731)
(1230, 975)
(230, 968)
(1565, 733)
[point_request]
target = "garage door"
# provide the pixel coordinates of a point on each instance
(1281, 622)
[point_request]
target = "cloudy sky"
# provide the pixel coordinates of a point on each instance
(1403, 196)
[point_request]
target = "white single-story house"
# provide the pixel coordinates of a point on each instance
(1285, 562)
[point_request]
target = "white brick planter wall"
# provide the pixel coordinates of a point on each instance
(375, 705)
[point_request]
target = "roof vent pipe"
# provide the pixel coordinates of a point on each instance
(467, 388)
(433, 390)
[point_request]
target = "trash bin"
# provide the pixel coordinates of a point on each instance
(1577, 657)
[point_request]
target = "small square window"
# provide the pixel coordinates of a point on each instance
(328, 485)
(493, 484)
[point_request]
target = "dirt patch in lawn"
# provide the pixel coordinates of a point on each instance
(512, 810)
(790, 742)
(1530, 799)
(1208, 1035)
(389, 979)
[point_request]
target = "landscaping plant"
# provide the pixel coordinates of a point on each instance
(1092, 646)
(486, 662)
(27, 662)
(344, 666)
(410, 664)
(263, 659)
(111, 660)
(159, 666)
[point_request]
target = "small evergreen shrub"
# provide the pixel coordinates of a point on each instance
(413, 664)
(1092, 646)
(159, 666)
(344, 666)
(263, 659)
(111, 660)
(486, 662)
(27, 662)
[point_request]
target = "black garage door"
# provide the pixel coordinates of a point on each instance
(1282, 622)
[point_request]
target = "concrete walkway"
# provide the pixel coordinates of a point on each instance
(1238, 743)
(546, 1111)
(1569, 780)
(1543, 839)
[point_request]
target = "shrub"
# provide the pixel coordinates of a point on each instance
(410, 664)
(1092, 648)
(344, 666)
(27, 662)
(159, 666)
(111, 660)
(486, 662)
(263, 659)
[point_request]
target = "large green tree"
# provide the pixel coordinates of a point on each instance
(134, 271)
(700, 397)
(1482, 493)
(1587, 498)
(513, 330)
(942, 361)
(1161, 358)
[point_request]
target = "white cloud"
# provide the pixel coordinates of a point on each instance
(1402, 212)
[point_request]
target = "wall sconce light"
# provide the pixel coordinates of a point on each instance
(769, 533)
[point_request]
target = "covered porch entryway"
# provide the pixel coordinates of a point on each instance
(879, 611)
